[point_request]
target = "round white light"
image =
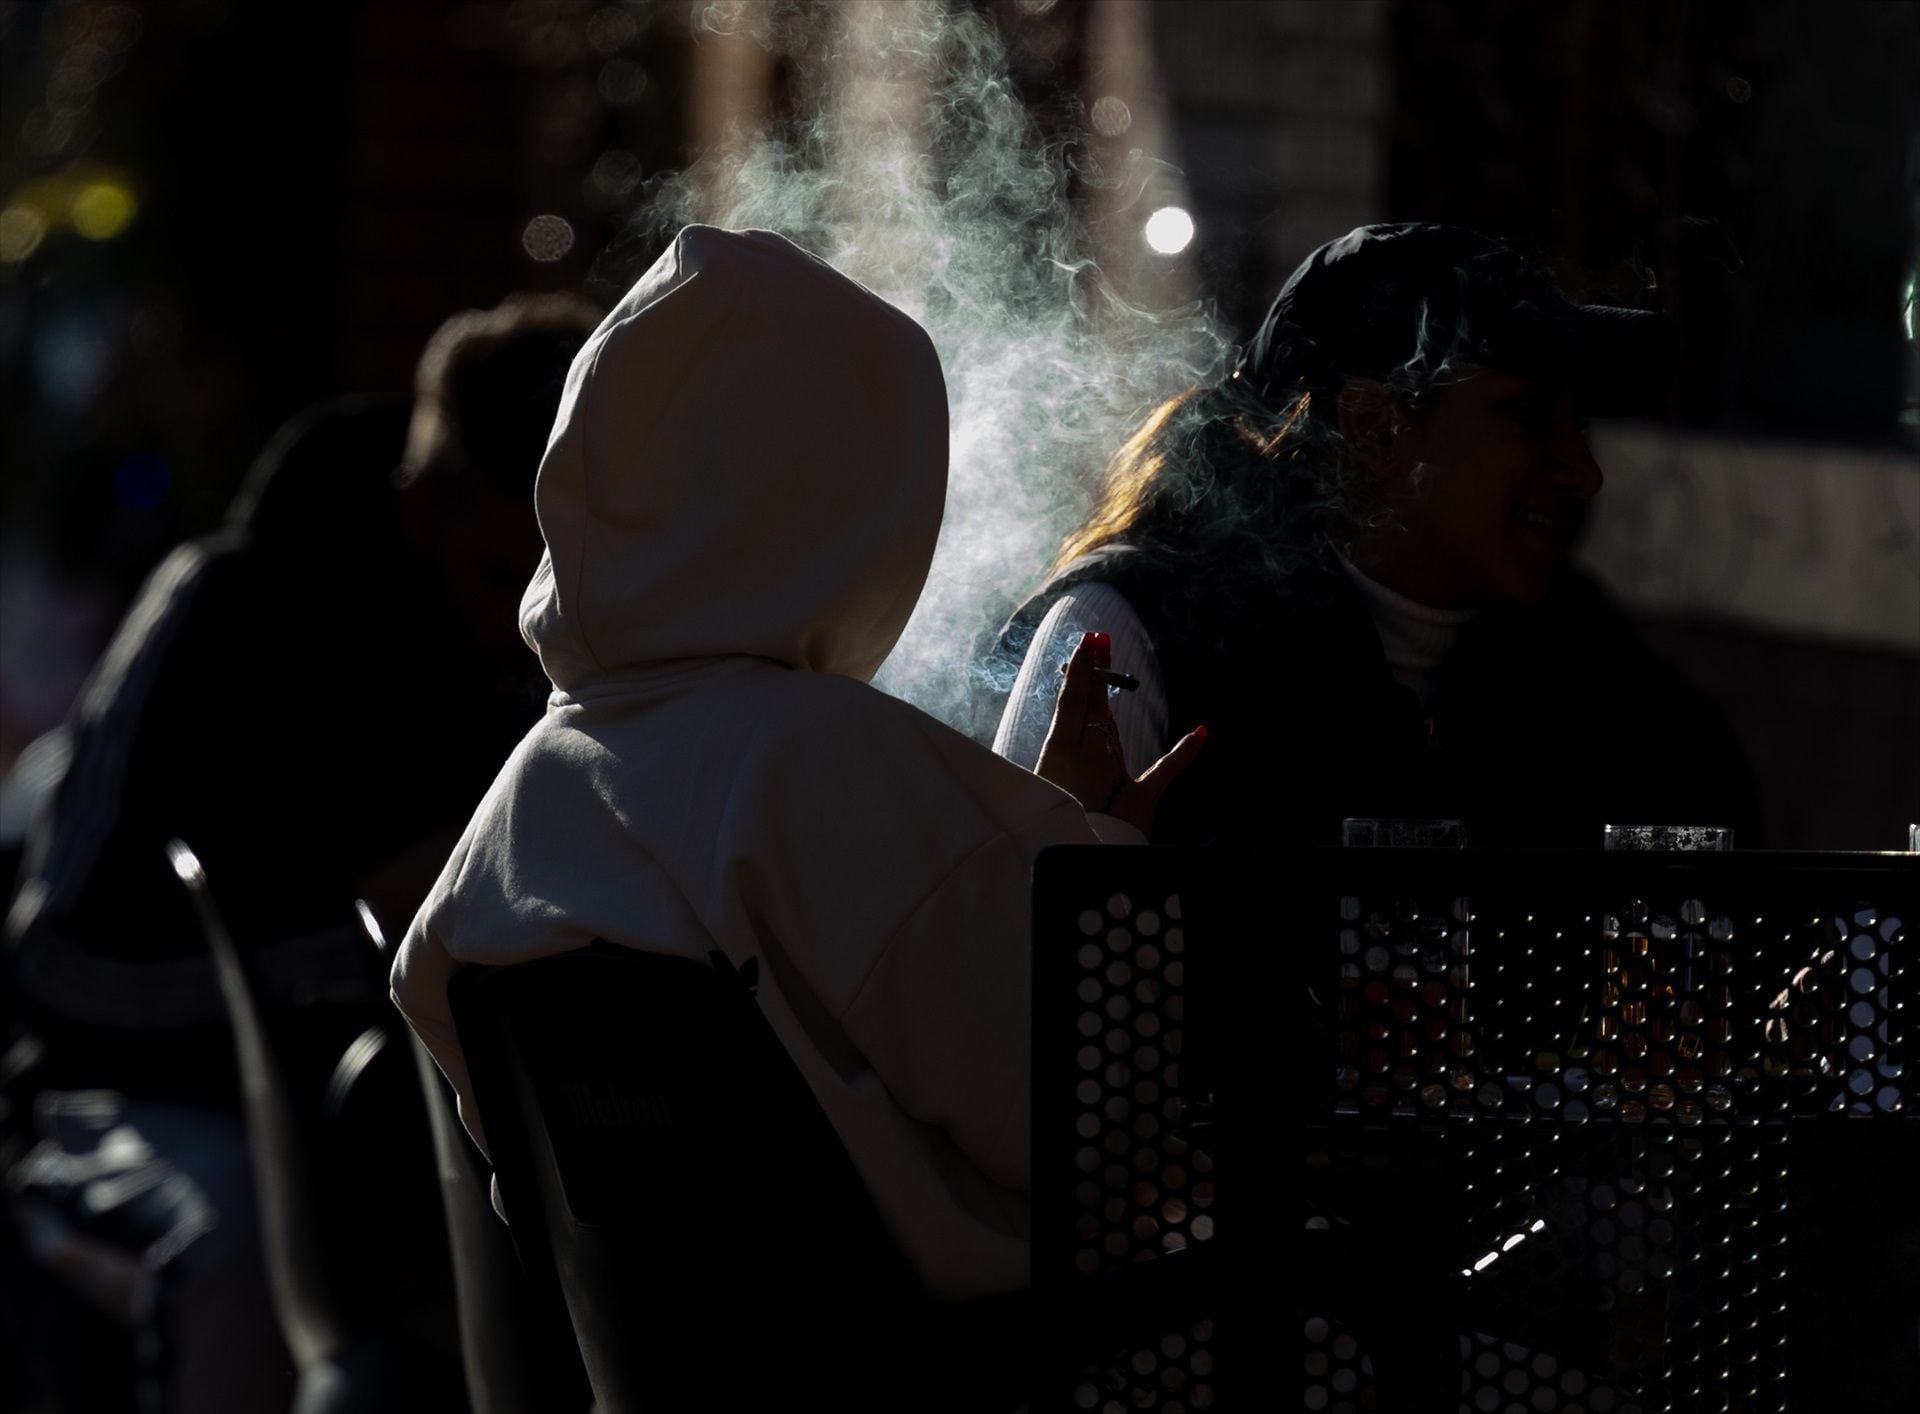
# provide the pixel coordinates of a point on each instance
(1169, 230)
(547, 238)
(1110, 116)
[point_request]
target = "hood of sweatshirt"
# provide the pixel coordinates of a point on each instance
(750, 459)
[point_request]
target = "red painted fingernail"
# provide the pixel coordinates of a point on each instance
(1200, 732)
(1102, 640)
(1087, 637)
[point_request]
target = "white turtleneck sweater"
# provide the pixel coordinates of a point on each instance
(1414, 637)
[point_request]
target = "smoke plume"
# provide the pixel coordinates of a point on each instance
(911, 165)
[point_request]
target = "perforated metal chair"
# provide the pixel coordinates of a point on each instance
(1135, 1251)
(1576, 1131)
(1641, 1105)
(672, 1183)
(327, 1290)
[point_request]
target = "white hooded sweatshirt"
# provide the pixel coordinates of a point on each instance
(740, 501)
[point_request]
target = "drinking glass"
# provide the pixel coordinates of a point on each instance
(1699, 837)
(1371, 833)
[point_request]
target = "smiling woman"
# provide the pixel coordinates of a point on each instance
(1350, 558)
(1481, 491)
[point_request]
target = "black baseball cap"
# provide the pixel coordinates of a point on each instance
(1413, 299)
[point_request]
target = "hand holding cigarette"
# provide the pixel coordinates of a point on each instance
(1112, 677)
(1082, 753)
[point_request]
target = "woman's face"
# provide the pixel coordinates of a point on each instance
(1485, 486)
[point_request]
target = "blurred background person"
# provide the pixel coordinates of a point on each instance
(264, 702)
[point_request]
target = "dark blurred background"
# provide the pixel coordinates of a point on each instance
(213, 212)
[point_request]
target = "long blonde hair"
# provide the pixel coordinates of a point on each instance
(1213, 472)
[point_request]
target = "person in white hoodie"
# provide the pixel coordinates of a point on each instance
(740, 501)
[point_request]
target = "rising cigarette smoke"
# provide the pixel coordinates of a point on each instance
(912, 166)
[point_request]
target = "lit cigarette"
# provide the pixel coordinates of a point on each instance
(1126, 682)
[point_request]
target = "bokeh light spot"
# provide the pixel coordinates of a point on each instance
(102, 210)
(611, 29)
(1739, 90)
(141, 482)
(1169, 230)
(1111, 117)
(621, 82)
(547, 238)
(21, 231)
(616, 172)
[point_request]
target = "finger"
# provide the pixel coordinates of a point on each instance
(1164, 772)
(1100, 720)
(1073, 708)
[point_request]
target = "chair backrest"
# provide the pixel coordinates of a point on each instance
(517, 1351)
(669, 1174)
(1582, 1129)
(1629, 1114)
(309, 1290)
(358, 1282)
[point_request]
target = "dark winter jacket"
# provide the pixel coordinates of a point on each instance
(1547, 723)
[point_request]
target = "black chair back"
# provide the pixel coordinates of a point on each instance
(1582, 1130)
(518, 1351)
(310, 1291)
(1626, 1116)
(671, 1178)
(357, 1283)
